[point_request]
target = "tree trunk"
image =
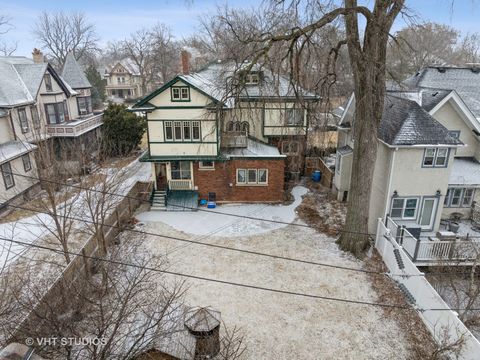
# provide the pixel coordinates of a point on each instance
(368, 66)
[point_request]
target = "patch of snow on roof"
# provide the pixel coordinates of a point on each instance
(13, 149)
(254, 148)
(465, 171)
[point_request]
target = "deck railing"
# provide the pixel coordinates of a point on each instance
(436, 252)
(237, 139)
(180, 184)
(76, 127)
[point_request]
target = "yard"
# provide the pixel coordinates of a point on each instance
(281, 326)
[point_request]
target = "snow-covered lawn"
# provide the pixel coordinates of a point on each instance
(210, 221)
(277, 326)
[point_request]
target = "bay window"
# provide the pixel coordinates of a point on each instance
(459, 197)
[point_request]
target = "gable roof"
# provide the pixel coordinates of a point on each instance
(464, 80)
(21, 80)
(405, 122)
(74, 74)
(128, 64)
(213, 81)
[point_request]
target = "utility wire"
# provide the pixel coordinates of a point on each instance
(182, 206)
(225, 282)
(223, 247)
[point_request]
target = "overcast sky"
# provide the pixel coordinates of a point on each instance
(116, 19)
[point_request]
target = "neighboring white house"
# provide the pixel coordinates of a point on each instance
(38, 106)
(124, 81)
(427, 165)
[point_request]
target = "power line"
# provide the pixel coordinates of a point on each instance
(205, 278)
(225, 282)
(223, 247)
(182, 206)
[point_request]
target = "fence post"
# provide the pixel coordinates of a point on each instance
(402, 233)
(417, 248)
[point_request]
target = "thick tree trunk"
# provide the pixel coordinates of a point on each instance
(368, 66)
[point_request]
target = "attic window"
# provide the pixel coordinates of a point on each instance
(252, 79)
(180, 93)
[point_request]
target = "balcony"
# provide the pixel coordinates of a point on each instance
(180, 185)
(235, 139)
(75, 127)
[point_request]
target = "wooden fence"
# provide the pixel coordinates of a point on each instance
(56, 294)
(317, 163)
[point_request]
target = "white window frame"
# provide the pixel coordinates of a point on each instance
(8, 179)
(247, 181)
(168, 124)
(252, 79)
(196, 124)
(203, 167)
(461, 198)
(27, 163)
(291, 113)
(404, 208)
(435, 157)
(180, 93)
(23, 119)
(194, 127)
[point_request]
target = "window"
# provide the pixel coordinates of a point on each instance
(180, 93)
(168, 130)
(459, 197)
(56, 113)
(241, 176)
(294, 117)
(182, 130)
(22, 116)
(35, 117)
(252, 176)
(455, 134)
(180, 170)
(177, 130)
(206, 165)
(27, 165)
(245, 127)
(84, 104)
(435, 157)
(7, 175)
(48, 82)
(252, 79)
(196, 130)
(187, 130)
(404, 208)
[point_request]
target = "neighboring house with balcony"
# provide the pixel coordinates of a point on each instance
(215, 146)
(433, 173)
(40, 118)
(124, 81)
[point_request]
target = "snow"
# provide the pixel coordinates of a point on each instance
(12, 149)
(208, 222)
(465, 172)
(34, 228)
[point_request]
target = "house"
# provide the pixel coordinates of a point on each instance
(427, 166)
(124, 81)
(42, 116)
(231, 148)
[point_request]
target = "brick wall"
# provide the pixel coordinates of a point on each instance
(224, 175)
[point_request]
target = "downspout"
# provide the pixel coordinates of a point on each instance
(390, 178)
(11, 123)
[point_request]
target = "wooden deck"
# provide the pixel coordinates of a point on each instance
(425, 252)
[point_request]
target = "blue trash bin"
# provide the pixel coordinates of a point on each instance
(316, 176)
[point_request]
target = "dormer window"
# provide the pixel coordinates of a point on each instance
(180, 93)
(252, 79)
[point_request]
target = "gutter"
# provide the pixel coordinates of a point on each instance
(422, 145)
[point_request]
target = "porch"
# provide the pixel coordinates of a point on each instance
(441, 249)
(75, 127)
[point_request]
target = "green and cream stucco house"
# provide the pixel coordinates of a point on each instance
(230, 146)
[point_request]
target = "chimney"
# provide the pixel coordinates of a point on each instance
(185, 55)
(37, 56)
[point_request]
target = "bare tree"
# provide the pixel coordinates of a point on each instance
(6, 48)
(367, 57)
(61, 33)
